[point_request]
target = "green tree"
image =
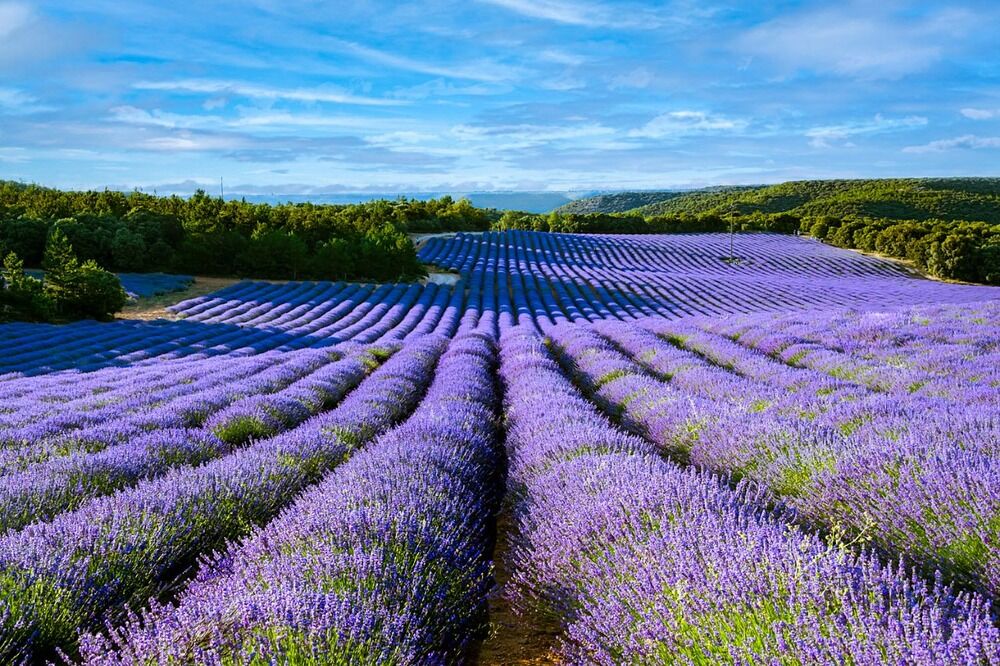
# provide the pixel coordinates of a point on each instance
(61, 268)
(79, 290)
(22, 297)
(99, 293)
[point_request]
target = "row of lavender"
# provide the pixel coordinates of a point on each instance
(904, 471)
(246, 319)
(86, 566)
(148, 508)
(546, 279)
(646, 562)
(514, 278)
(386, 561)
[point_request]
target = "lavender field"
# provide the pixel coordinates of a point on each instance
(788, 456)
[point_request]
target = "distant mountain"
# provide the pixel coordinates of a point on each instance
(529, 202)
(974, 199)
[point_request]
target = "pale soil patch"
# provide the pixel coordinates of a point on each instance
(420, 239)
(155, 307)
(907, 265)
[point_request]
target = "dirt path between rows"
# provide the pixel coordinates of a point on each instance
(514, 640)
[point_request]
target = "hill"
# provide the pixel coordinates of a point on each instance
(617, 202)
(626, 202)
(950, 199)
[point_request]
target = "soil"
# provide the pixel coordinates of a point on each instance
(155, 307)
(514, 640)
(419, 239)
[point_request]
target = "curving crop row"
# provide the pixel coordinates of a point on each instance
(908, 473)
(645, 562)
(384, 562)
(62, 484)
(85, 566)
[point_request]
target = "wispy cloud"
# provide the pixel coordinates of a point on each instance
(981, 114)
(479, 70)
(14, 154)
(256, 120)
(966, 142)
(510, 137)
(503, 93)
(858, 39)
(562, 57)
(13, 17)
(685, 123)
(440, 88)
(586, 14)
(240, 89)
(637, 78)
(14, 101)
(826, 137)
(28, 39)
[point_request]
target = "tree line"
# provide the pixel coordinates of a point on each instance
(205, 235)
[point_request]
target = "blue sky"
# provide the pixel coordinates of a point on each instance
(295, 96)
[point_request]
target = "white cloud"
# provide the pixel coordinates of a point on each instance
(237, 88)
(981, 114)
(966, 142)
(293, 120)
(256, 121)
(403, 137)
(437, 88)
(684, 123)
(563, 83)
(562, 57)
(639, 78)
(480, 70)
(586, 14)
(186, 141)
(13, 154)
(858, 40)
(825, 137)
(508, 137)
(15, 102)
(13, 17)
(136, 116)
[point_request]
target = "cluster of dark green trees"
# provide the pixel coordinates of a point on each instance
(968, 251)
(71, 289)
(632, 223)
(948, 199)
(204, 235)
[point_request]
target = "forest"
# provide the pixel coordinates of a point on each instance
(205, 235)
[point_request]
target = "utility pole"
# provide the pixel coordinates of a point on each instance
(733, 214)
(732, 226)
(222, 189)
